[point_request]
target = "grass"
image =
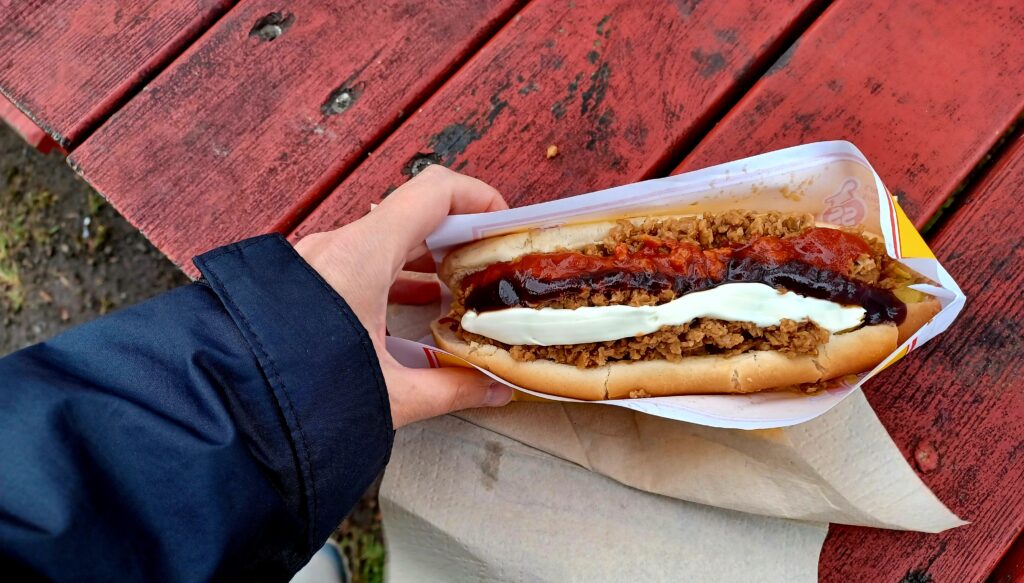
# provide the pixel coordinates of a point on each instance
(365, 553)
(19, 207)
(361, 539)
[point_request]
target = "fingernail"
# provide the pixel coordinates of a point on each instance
(497, 395)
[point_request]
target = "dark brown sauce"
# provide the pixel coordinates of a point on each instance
(813, 264)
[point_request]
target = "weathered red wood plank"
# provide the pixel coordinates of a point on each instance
(69, 63)
(924, 88)
(956, 409)
(25, 127)
(617, 87)
(265, 112)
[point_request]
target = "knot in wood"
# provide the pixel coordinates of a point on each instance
(419, 162)
(272, 26)
(341, 99)
(339, 102)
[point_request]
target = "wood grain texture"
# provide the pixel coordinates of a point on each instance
(617, 87)
(25, 127)
(264, 113)
(69, 63)
(924, 88)
(956, 407)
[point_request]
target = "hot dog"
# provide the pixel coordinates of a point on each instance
(731, 302)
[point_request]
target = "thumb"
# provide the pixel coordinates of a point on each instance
(418, 394)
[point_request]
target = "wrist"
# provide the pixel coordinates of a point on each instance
(316, 250)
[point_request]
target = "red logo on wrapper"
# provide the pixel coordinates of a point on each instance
(844, 207)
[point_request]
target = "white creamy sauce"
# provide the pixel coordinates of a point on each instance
(735, 302)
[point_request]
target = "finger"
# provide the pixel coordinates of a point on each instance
(414, 290)
(424, 263)
(413, 211)
(418, 394)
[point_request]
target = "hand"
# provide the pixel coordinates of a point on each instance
(363, 261)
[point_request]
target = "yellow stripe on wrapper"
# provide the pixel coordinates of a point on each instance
(911, 243)
(895, 358)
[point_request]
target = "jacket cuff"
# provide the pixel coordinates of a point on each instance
(325, 381)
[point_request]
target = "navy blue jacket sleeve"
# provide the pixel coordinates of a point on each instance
(219, 431)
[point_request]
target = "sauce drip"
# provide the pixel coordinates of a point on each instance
(815, 263)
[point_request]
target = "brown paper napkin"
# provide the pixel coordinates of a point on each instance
(462, 503)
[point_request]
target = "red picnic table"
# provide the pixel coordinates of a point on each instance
(206, 121)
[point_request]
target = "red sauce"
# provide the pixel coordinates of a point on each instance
(829, 249)
(677, 258)
(815, 263)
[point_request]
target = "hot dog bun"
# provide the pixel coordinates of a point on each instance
(843, 354)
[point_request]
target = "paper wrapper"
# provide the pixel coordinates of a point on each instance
(831, 180)
(500, 494)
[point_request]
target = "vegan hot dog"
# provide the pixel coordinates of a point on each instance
(731, 302)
